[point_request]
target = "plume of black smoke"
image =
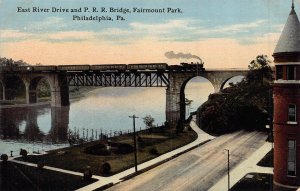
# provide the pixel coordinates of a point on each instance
(173, 55)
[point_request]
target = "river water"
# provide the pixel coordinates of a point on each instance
(105, 110)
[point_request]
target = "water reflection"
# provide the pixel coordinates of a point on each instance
(59, 124)
(21, 123)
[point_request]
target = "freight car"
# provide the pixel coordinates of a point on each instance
(148, 66)
(73, 67)
(114, 67)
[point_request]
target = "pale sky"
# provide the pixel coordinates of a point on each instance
(223, 33)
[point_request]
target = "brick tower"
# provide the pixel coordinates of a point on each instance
(286, 94)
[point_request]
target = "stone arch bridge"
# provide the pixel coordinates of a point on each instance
(174, 81)
(175, 97)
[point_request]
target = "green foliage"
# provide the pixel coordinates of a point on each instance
(43, 88)
(245, 105)
(124, 148)
(153, 151)
(148, 120)
(99, 149)
(40, 165)
(10, 62)
(4, 157)
(106, 168)
(87, 174)
(260, 70)
(23, 152)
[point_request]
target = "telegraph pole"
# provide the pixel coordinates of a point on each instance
(134, 142)
(228, 168)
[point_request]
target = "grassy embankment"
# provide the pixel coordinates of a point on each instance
(150, 145)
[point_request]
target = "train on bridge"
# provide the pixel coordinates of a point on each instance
(104, 67)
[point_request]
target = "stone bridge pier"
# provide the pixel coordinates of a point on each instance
(59, 90)
(175, 97)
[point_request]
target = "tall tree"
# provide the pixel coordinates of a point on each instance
(148, 120)
(260, 69)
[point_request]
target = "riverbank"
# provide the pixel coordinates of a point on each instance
(14, 105)
(76, 93)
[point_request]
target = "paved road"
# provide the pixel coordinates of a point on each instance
(200, 168)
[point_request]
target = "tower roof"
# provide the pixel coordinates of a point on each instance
(289, 40)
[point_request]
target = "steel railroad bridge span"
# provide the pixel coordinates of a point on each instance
(174, 80)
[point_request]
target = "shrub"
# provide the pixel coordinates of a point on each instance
(139, 139)
(106, 168)
(23, 153)
(99, 149)
(124, 148)
(40, 165)
(87, 174)
(4, 157)
(166, 124)
(153, 151)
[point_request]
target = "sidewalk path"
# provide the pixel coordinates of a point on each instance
(248, 166)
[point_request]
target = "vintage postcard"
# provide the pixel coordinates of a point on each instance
(149, 95)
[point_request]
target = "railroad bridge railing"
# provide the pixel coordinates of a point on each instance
(119, 79)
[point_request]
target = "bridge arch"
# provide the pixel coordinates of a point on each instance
(14, 87)
(236, 78)
(33, 88)
(183, 89)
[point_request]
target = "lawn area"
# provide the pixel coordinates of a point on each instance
(21, 177)
(90, 155)
(254, 181)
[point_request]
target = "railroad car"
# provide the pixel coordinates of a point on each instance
(73, 67)
(44, 68)
(5, 68)
(22, 68)
(108, 67)
(150, 66)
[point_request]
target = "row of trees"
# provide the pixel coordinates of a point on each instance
(245, 105)
(10, 62)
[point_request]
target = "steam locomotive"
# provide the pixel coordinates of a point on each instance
(187, 67)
